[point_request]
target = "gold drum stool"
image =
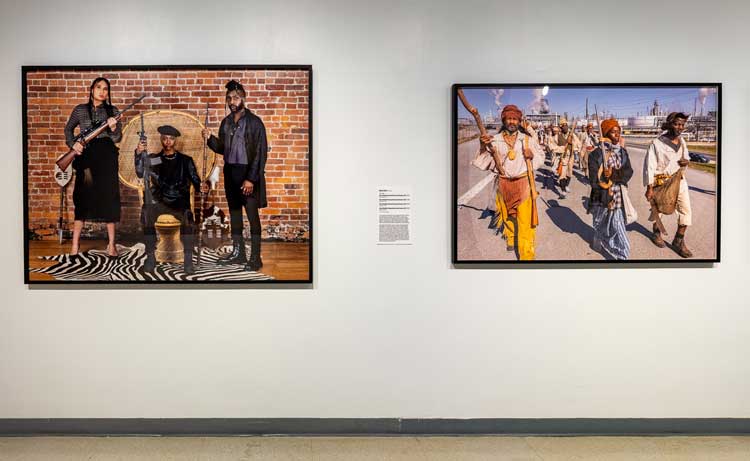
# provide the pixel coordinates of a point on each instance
(169, 249)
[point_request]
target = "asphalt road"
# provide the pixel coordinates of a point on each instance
(564, 231)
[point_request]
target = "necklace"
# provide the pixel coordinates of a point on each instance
(511, 152)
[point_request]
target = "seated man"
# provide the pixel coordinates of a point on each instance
(171, 174)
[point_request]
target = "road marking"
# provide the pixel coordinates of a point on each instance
(471, 193)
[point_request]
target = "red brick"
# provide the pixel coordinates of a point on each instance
(52, 96)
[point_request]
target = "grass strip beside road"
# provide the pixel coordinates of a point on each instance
(468, 138)
(708, 167)
(703, 149)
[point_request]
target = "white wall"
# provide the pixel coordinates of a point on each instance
(389, 331)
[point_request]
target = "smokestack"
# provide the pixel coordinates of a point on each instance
(703, 95)
(498, 94)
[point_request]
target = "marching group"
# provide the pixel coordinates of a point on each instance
(604, 163)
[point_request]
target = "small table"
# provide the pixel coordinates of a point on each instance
(169, 249)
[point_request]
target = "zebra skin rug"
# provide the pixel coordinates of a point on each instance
(96, 266)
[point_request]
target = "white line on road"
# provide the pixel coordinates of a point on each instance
(471, 193)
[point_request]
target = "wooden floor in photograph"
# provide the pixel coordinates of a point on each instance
(283, 261)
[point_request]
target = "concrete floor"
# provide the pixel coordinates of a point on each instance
(375, 448)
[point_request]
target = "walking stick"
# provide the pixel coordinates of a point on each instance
(199, 221)
(532, 186)
(482, 130)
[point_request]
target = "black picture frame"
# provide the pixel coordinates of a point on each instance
(303, 282)
(677, 261)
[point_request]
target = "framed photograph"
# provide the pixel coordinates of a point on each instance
(596, 173)
(167, 174)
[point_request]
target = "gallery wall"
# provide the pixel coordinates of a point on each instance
(390, 331)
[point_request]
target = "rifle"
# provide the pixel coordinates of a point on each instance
(199, 221)
(148, 198)
(86, 136)
(604, 185)
(569, 140)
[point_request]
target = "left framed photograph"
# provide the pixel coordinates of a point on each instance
(167, 174)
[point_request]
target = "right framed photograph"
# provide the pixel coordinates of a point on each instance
(586, 173)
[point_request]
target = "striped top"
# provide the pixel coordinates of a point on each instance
(80, 117)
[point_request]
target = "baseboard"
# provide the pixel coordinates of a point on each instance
(372, 426)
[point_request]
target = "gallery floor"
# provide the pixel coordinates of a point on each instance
(375, 448)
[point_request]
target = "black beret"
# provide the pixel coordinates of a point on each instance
(168, 130)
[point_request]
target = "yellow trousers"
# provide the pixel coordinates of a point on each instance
(524, 232)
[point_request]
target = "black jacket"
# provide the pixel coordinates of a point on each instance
(619, 176)
(256, 149)
(170, 178)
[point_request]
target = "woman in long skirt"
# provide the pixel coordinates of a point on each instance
(96, 191)
(609, 173)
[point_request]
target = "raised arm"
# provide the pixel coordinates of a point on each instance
(538, 159)
(625, 173)
(116, 134)
(215, 143)
(193, 174)
(594, 164)
(649, 165)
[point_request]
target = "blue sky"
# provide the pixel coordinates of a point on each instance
(619, 101)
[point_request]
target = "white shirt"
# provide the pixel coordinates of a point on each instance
(662, 159)
(588, 142)
(517, 167)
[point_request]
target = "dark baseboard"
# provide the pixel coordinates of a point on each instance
(373, 426)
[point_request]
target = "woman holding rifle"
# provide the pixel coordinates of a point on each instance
(96, 192)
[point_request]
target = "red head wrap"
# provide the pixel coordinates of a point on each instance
(608, 125)
(511, 110)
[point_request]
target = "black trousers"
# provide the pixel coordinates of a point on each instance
(149, 215)
(234, 176)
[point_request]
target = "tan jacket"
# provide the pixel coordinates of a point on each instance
(560, 148)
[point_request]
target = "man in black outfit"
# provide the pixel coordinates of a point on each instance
(171, 174)
(242, 142)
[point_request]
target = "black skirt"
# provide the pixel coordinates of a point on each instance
(96, 193)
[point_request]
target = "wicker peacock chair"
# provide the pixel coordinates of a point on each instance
(190, 142)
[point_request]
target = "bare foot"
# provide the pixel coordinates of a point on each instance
(112, 250)
(74, 250)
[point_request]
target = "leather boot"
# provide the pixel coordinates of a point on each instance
(237, 256)
(187, 264)
(150, 264)
(188, 246)
(150, 242)
(679, 243)
(255, 262)
(657, 239)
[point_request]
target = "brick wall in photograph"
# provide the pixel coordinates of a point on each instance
(279, 97)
